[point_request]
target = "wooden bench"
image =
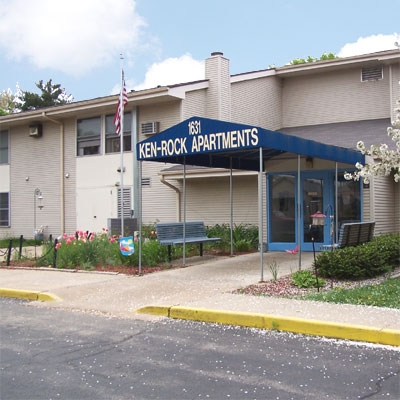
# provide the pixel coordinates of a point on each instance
(353, 234)
(172, 233)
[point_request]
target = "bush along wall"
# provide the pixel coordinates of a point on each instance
(245, 236)
(89, 249)
(368, 260)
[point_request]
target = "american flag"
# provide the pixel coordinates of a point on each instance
(120, 107)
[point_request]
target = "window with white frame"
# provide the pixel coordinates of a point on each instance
(89, 136)
(4, 147)
(112, 139)
(4, 209)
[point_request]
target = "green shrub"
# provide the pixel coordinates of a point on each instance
(83, 250)
(244, 236)
(89, 250)
(153, 253)
(306, 279)
(5, 242)
(370, 259)
(242, 245)
(222, 231)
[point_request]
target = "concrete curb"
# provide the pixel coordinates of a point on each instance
(28, 295)
(279, 323)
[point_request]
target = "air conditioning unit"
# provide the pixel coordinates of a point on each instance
(114, 226)
(150, 128)
(35, 130)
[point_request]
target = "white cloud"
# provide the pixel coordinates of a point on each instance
(370, 44)
(73, 36)
(173, 70)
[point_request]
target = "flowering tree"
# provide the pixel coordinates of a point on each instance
(385, 161)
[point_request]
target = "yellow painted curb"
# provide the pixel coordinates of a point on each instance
(28, 295)
(280, 323)
(155, 310)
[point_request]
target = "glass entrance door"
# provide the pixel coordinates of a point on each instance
(313, 202)
(287, 227)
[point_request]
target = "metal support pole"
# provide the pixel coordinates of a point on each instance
(55, 253)
(299, 207)
(336, 205)
(231, 203)
(184, 211)
(260, 214)
(21, 240)
(9, 252)
(139, 216)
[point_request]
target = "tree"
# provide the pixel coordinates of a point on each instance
(51, 95)
(325, 56)
(384, 161)
(7, 103)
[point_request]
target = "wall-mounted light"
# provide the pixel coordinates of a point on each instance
(40, 201)
(27, 178)
(37, 203)
(67, 175)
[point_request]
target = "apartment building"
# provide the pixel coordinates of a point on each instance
(60, 167)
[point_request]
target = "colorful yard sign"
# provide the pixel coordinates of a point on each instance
(126, 245)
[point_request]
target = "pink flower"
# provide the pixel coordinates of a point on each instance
(58, 245)
(69, 240)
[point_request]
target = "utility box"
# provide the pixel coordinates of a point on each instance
(114, 226)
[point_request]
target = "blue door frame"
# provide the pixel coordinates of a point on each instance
(321, 235)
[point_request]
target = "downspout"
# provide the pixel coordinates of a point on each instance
(178, 195)
(62, 184)
(391, 94)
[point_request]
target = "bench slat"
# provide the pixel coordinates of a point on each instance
(172, 233)
(353, 234)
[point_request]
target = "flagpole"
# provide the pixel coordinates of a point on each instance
(121, 145)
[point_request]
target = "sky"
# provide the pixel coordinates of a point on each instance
(84, 44)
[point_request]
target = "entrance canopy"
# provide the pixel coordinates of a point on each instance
(219, 144)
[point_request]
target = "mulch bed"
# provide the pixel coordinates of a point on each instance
(284, 287)
(116, 269)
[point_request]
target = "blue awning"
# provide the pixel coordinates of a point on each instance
(220, 144)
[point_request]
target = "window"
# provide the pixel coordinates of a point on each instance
(349, 200)
(3, 147)
(4, 209)
(113, 140)
(282, 208)
(88, 136)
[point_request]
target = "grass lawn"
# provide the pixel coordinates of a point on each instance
(384, 294)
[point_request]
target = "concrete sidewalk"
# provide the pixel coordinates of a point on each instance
(203, 291)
